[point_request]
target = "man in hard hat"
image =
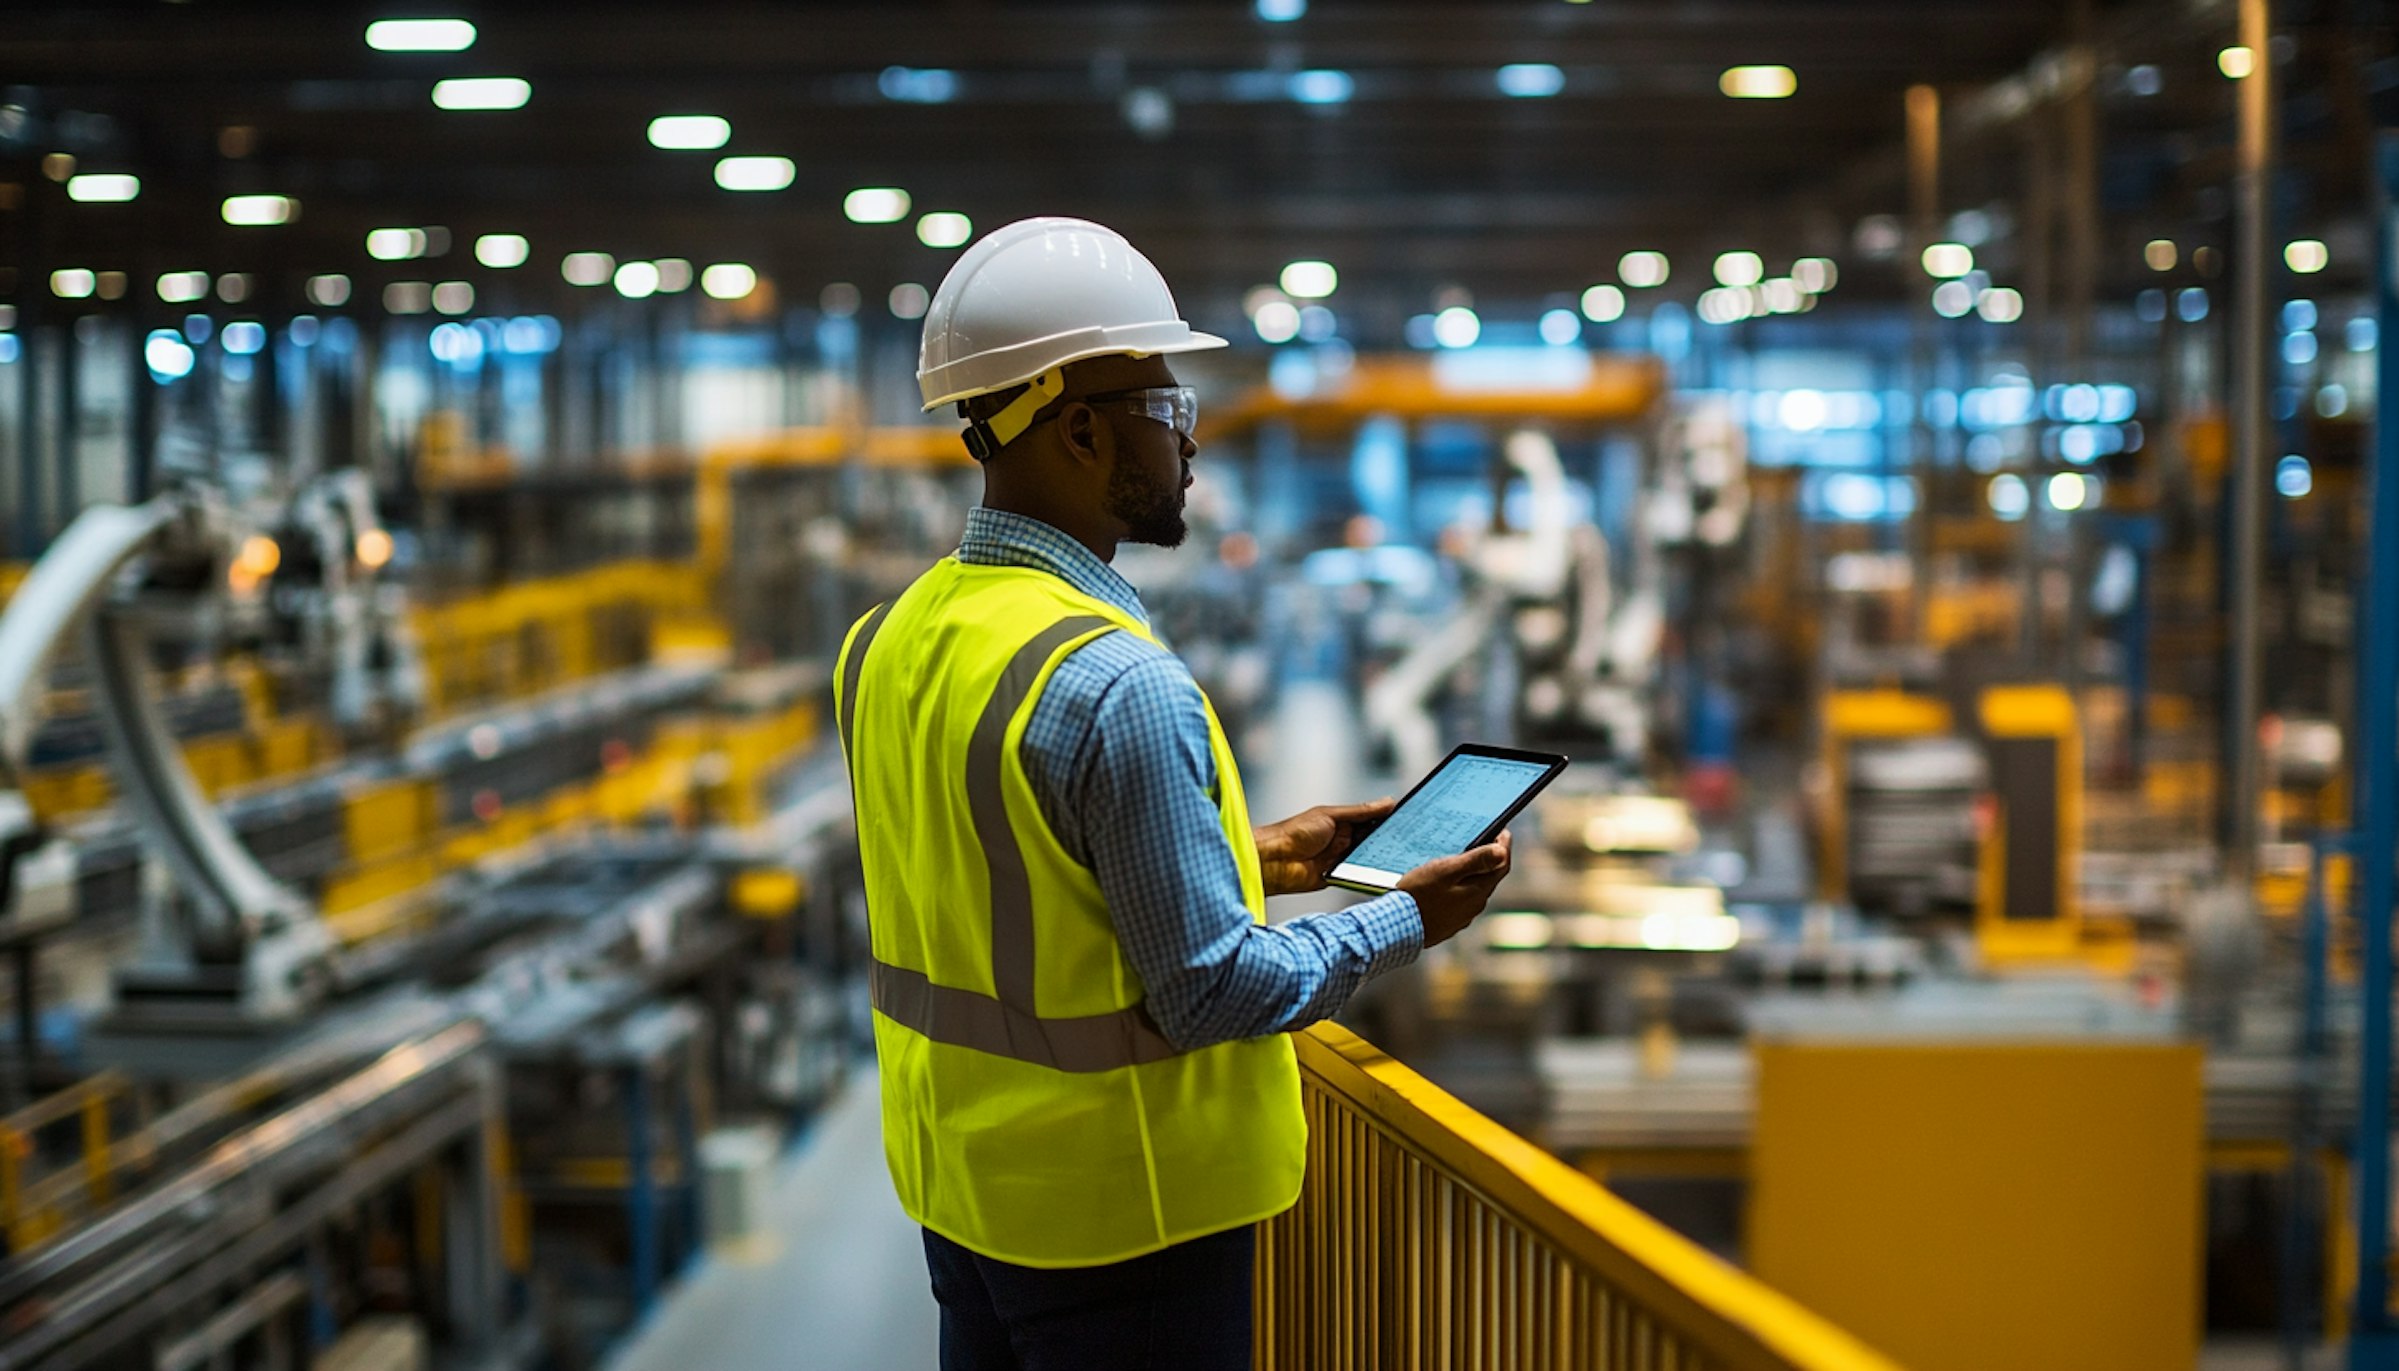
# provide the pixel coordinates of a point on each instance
(1088, 1097)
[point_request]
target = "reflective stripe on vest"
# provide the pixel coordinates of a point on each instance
(1003, 1025)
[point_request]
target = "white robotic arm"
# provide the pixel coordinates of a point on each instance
(234, 911)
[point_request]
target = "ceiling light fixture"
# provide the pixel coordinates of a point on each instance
(482, 93)
(1757, 83)
(944, 229)
(396, 244)
(103, 187)
(754, 173)
(182, 287)
(1947, 260)
(1322, 87)
(1530, 80)
(689, 132)
(1642, 269)
(637, 280)
(251, 211)
(1310, 280)
(1277, 321)
(420, 35)
(1739, 269)
(586, 268)
(875, 205)
(728, 280)
(502, 250)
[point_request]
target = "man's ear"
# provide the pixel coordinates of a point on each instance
(1079, 431)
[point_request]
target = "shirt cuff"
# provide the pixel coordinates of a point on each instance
(1394, 928)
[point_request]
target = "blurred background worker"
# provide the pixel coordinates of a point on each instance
(1087, 1097)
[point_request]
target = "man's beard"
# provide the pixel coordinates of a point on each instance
(1152, 512)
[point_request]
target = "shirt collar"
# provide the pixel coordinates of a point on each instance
(997, 537)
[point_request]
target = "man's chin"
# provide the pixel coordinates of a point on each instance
(1164, 530)
(1162, 535)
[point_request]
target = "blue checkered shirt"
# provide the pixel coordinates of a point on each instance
(1118, 755)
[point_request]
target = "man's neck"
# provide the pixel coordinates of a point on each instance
(1101, 544)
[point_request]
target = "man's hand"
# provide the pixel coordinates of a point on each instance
(1297, 854)
(1451, 891)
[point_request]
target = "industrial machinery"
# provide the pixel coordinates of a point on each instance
(427, 1027)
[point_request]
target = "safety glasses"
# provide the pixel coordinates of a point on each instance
(1177, 407)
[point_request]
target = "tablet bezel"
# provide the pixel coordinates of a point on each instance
(1554, 762)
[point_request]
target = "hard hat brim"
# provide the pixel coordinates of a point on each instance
(1042, 354)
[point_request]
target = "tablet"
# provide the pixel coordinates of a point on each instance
(1463, 804)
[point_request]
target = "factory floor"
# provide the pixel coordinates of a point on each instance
(836, 1281)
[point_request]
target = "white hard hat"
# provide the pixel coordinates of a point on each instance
(1037, 294)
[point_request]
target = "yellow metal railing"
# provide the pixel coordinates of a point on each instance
(34, 1208)
(1429, 1238)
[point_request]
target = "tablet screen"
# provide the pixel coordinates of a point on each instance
(1447, 813)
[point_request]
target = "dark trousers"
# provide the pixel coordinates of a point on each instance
(1184, 1308)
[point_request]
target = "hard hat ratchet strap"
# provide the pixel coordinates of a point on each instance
(985, 437)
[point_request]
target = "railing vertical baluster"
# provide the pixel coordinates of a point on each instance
(1461, 1277)
(1353, 1249)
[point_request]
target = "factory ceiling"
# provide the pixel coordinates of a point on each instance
(1515, 149)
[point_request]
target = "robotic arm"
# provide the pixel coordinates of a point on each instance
(117, 574)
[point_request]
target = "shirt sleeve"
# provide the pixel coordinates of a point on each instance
(1144, 817)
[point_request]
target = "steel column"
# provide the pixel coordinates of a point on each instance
(2373, 1340)
(641, 1192)
(2249, 324)
(68, 434)
(32, 532)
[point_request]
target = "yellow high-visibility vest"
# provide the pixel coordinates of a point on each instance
(1032, 1111)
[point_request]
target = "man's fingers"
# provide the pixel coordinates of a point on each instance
(1359, 813)
(1464, 865)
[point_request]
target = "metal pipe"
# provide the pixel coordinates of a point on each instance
(2249, 323)
(2373, 1341)
(1924, 216)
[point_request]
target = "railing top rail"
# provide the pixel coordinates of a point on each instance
(64, 1104)
(1736, 1319)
